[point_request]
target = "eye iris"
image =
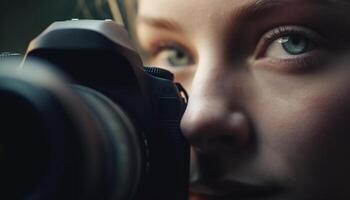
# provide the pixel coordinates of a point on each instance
(295, 44)
(177, 58)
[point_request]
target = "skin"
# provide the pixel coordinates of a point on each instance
(259, 118)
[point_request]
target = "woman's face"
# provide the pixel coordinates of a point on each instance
(269, 109)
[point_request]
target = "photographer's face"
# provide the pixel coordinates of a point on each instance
(269, 109)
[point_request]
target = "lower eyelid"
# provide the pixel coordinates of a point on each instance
(306, 62)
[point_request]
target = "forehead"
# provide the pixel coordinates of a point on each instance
(168, 7)
(214, 14)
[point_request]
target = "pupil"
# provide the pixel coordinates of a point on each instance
(295, 45)
(177, 58)
(296, 41)
(179, 54)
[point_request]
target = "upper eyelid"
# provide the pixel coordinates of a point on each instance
(161, 45)
(284, 30)
(167, 45)
(280, 31)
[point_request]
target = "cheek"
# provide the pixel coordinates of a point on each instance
(185, 77)
(306, 125)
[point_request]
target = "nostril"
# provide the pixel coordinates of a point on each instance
(217, 130)
(220, 143)
(227, 140)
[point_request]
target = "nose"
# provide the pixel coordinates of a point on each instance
(213, 122)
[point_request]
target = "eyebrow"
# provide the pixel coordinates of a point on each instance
(262, 5)
(166, 24)
(271, 3)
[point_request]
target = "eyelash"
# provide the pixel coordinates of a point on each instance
(299, 61)
(160, 46)
(282, 31)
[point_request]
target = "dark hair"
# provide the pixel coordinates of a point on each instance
(94, 9)
(17, 35)
(126, 9)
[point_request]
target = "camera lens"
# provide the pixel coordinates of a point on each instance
(24, 148)
(62, 141)
(32, 140)
(123, 150)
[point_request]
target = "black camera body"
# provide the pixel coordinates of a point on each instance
(107, 129)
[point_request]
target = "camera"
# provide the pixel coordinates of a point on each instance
(83, 119)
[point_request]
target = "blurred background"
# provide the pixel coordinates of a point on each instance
(22, 20)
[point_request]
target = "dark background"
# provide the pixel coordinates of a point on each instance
(22, 20)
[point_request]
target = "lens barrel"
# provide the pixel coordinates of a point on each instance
(24, 155)
(61, 141)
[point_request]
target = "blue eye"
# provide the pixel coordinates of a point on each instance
(176, 57)
(172, 55)
(289, 42)
(295, 44)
